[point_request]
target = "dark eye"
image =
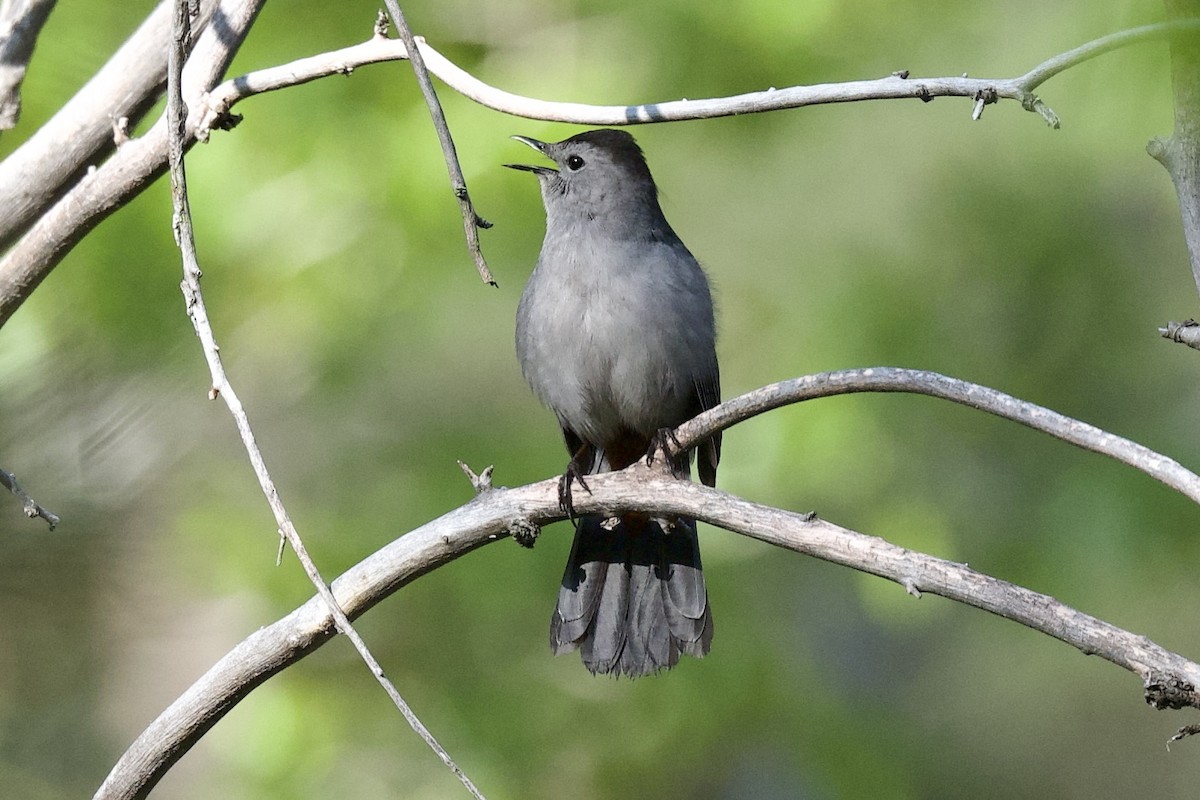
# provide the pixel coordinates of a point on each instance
(574, 163)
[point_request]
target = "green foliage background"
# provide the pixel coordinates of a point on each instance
(370, 358)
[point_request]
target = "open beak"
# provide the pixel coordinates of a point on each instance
(536, 145)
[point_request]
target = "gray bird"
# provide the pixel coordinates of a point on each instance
(615, 334)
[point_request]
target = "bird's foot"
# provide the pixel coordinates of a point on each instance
(565, 501)
(665, 442)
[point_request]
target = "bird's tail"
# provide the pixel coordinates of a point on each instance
(633, 596)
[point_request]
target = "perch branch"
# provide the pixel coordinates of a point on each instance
(30, 506)
(1168, 679)
(472, 222)
(197, 312)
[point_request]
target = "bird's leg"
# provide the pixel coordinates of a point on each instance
(664, 441)
(576, 469)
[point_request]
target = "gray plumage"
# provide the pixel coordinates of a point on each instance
(615, 334)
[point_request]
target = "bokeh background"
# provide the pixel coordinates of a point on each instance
(370, 357)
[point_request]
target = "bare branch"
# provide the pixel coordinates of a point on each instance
(197, 312)
(1168, 679)
(898, 85)
(20, 23)
(80, 134)
(216, 104)
(472, 222)
(132, 168)
(30, 506)
(894, 379)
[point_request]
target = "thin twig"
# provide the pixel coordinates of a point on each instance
(30, 506)
(894, 379)
(197, 312)
(1105, 44)
(472, 222)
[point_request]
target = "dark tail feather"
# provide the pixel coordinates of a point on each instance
(632, 598)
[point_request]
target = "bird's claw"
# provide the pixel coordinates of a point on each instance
(665, 441)
(565, 501)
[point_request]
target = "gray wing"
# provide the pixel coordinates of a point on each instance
(708, 394)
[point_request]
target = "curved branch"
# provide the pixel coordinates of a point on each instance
(113, 184)
(896, 86)
(897, 379)
(1169, 680)
(1105, 44)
